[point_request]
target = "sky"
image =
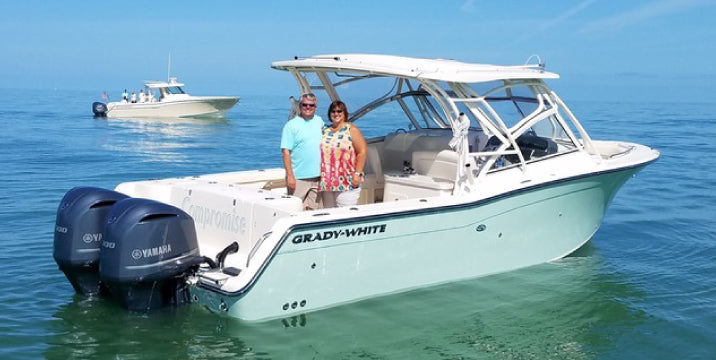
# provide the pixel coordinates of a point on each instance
(603, 49)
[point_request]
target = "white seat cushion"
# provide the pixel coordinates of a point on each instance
(444, 166)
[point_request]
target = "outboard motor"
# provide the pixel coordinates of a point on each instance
(78, 234)
(99, 109)
(148, 251)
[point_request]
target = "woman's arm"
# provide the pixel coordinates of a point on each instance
(361, 148)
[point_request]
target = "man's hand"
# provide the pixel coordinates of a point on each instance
(291, 184)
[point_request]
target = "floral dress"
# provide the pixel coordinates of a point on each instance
(338, 159)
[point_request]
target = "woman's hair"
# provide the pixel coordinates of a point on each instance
(341, 106)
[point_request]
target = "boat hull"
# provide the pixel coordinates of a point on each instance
(321, 265)
(194, 107)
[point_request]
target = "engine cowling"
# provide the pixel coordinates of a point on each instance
(79, 227)
(149, 249)
(99, 109)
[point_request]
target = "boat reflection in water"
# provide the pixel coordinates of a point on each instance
(570, 308)
(160, 139)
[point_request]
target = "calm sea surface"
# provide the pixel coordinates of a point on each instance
(643, 288)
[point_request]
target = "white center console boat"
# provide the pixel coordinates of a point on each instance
(487, 171)
(161, 99)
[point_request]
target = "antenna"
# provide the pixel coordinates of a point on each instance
(169, 66)
(539, 61)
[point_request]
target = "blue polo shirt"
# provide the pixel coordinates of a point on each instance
(303, 138)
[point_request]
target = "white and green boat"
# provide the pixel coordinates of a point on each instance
(487, 171)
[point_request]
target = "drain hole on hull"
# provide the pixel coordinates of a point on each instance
(294, 305)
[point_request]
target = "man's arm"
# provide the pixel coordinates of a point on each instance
(290, 178)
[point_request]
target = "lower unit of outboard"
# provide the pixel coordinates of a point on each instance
(78, 234)
(149, 250)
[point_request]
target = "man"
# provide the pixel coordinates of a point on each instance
(301, 154)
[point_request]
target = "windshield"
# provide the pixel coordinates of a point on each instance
(502, 109)
(379, 104)
(526, 111)
(175, 90)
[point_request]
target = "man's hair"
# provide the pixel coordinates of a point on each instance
(309, 97)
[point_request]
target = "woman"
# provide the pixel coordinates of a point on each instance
(343, 151)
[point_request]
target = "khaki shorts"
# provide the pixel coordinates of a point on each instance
(307, 190)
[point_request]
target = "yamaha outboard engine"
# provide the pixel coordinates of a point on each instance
(78, 234)
(148, 251)
(99, 109)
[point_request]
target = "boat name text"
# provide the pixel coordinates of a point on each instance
(218, 219)
(335, 234)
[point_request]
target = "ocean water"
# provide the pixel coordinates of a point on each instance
(644, 287)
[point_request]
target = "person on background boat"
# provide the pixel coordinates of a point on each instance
(134, 97)
(124, 96)
(300, 141)
(142, 96)
(343, 153)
